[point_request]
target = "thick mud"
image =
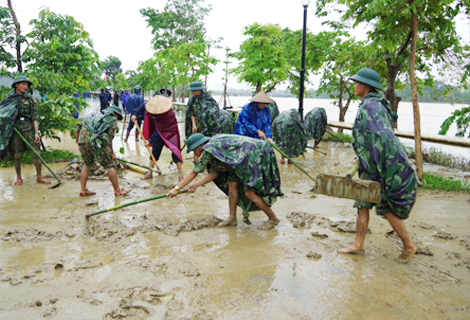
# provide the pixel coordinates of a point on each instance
(166, 259)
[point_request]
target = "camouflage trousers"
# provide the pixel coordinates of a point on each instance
(17, 146)
(102, 155)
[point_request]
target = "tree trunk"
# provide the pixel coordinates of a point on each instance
(390, 93)
(18, 35)
(414, 93)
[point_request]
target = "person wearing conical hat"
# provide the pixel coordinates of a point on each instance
(18, 110)
(384, 160)
(255, 119)
(160, 129)
(95, 139)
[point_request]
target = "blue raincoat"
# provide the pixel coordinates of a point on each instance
(134, 101)
(251, 119)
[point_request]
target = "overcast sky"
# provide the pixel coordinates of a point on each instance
(117, 27)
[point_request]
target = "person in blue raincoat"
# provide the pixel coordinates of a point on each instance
(255, 119)
(125, 96)
(134, 101)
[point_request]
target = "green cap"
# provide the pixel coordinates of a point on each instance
(21, 78)
(196, 85)
(116, 110)
(195, 140)
(369, 77)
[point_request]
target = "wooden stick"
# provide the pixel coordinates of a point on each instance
(184, 145)
(39, 156)
(290, 159)
(124, 125)
(317, 150)
(129, 204)
(148, 147)
(137, 164)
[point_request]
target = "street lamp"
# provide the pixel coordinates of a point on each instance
(305, 3)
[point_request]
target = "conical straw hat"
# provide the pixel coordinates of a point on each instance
(261, 97)
(158, 105)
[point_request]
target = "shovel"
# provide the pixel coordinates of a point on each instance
(40, 158)
(319, 151)
(148, 148)
(340, 186)
(346, 187)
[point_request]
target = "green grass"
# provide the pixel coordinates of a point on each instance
(344, 137)
(49, 155)
(435, 182)
(436, 156)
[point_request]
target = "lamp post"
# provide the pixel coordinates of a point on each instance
(305, 3)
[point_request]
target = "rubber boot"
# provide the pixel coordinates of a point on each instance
(136, 135)
(127, 136)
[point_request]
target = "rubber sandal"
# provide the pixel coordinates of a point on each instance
(87, 193)
(18, 182)
(123, 192)
(43, 181)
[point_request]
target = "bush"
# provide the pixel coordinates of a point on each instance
(435, 182)
(49, 155)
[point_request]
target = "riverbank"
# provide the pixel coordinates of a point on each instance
(166, 259)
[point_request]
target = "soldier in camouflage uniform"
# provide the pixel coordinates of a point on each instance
(289, 134)
(384, 160)
(202, 113)
(18, 110)
(95, 140)
(243, 168)
(315, 125)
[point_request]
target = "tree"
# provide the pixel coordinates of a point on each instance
(390, 36)
(60, 60)
(263, 64)
(112, 66)
(121, 82)
(338, 54)
(182, 21)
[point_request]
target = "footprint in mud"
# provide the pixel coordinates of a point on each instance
(174, 309)
(136, 312)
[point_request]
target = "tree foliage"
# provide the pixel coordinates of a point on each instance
(263, 64)
(61, 61)
(390, 36)
(112, 66)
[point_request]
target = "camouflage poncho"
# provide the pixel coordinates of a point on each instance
(289, 133)
(206, 113)
(253, 161)
(315, 124)
(273, 110)
(382, 156)
(19, 111)
(98, 123)
(226, 122)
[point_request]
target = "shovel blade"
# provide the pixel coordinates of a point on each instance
(343, 187)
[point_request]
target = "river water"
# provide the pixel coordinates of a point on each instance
(165, 259)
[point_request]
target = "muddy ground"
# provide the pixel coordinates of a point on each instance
(166, 259)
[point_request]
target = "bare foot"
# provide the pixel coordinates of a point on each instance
(269, 224)
(231, 221)
(148, 175)
(181, 177)
(282, 161)
(407, 254)
(352, 250)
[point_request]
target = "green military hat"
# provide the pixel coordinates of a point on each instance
(116, 110)
(21, 78)
(369, 77)
(195, 140)
(196, 85)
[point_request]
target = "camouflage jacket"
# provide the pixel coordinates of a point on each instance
(382, 156)
(254, 163)
(273, 110)
(19, 111)
(206, 113)
(315, 123)
(99, 129)
(289, 133)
